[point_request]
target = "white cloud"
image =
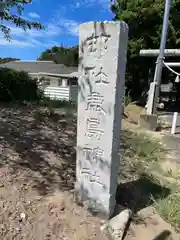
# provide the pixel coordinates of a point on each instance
(70, 27)
(62, 21)
(33, 15)
(58, 25)
(77, 5)
(50, 31)
(24, 43)
(15, 43)
(91, 3)
(53, 30)
(32, 38)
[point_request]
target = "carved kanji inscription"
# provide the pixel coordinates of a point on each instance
(102, 58)
(91, 177)
(92, 154)
(101, 77)
(95, 102)
(98, 44)
(94, 130)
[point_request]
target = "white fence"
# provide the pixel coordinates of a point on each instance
(60, 93)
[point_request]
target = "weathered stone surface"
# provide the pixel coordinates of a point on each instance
(102, 53)
(149, 105)
(148, 122)
(116, 226)
(151, 227)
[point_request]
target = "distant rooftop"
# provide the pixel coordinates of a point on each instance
(34, 61)
(41, 67)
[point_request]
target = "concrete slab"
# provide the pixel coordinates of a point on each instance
(152, 227)
(148, 122)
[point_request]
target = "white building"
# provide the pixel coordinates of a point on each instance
(57, 80)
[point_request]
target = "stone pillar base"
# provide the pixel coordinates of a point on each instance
(102, 207)
(148, 122)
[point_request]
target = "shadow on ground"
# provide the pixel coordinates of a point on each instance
(138, 188)
(165, 235)
(140, 193)
(42, 144)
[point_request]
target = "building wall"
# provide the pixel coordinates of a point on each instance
(59, 88)
(73, 93)
(56, 88)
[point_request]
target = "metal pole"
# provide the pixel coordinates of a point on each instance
(159, 63)
(173, 129)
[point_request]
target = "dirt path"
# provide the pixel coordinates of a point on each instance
(24, 214)
(37, 173)
(151, 227)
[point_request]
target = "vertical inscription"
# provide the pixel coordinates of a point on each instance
(101, 77)
(91, 177)
(92, 154)
(97, 75)
(95, 102)
(90, 165)
(94, 131)
(98, 44)
(88, 72)
(102, 52)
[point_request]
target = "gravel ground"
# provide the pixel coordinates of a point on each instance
(37, 173)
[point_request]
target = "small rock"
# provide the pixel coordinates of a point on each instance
(17, 229)
(62, 208)
(116, 226)
(102, 222)
(2, 226)
(23, 216)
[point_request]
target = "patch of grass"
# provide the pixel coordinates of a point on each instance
(169, 208)
(127, 99)
(173, 174)
(138, 152)
(143, 154)
(55, 103)
(132, 111)
(141, 146)
(131, 107)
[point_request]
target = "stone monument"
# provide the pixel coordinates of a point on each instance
(102, 61)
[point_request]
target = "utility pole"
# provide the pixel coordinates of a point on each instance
(159, 63)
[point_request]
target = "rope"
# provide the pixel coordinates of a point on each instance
(178, 74)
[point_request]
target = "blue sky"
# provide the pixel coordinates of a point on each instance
(61, 19)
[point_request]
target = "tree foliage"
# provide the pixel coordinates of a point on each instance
(145, 18)
(8, 59)
(18, 86)
(12, 12)
(61, 55)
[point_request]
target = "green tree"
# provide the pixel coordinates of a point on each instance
(6, 60)
(11, 11)
(145, 18)
(61, 55)
(18, 86)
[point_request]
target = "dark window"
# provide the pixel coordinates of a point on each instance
(60, 82)
(46, 81)
(67, 82)
(74, 82)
